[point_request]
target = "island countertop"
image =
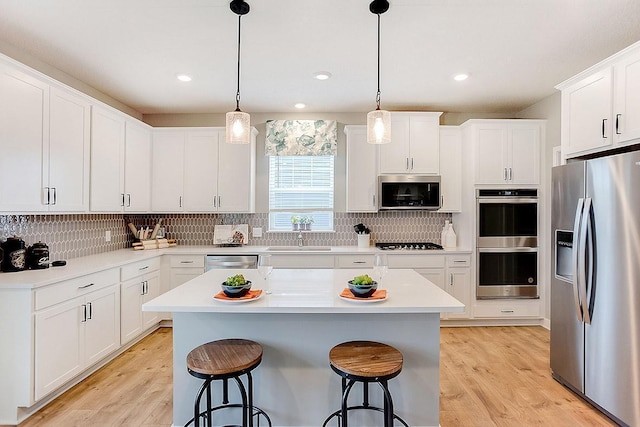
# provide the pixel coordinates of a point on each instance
(308, 291)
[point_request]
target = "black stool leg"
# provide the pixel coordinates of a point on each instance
(388, 404)
(196, 407)
(250, 391)
(243, 393)
(345, 397)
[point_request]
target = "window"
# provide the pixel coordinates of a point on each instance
(301, 186)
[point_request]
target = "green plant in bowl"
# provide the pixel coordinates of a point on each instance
(362, 286)
(236, 286)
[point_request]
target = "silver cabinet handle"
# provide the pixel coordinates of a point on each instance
(143, 268)
(214, 201)
(412, 163)
(186, 262)
(407, 167)
(122, 195)
(90, 311)
(55, 195)
(618, 124)
(451, 279)
(506, 311)
(180, 202)
(603, 128)
(219, 202)
(84, 313)
(359, 262)
(505, 174)
(459, 261)
(510, 174)
(128, 200)
(86, 286)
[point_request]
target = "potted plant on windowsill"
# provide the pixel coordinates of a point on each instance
(295, 222)
(305, 223)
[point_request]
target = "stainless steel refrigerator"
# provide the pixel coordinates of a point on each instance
(595, 283)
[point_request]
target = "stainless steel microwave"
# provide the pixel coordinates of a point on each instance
(409, 192)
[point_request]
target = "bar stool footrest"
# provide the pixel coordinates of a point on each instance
(255, 412)
(337, 414)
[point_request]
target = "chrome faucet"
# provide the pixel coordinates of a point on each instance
(300, 239)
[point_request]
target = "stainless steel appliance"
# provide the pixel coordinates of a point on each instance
(422, 246)
(595, 285)
(507, 243)
(230, 261)
(406, 192)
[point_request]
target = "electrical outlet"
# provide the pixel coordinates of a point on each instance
(257, 231)
(107, 236)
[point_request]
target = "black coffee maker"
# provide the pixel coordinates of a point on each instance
(15, 254)
(38, 256)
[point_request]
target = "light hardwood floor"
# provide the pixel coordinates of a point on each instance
(497, 376)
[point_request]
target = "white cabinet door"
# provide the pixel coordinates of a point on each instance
(24, 130)
(394, 157)
(152, 290)
(459, 286)
(451, 168)
(236, 165)
(107, 161)
(130, 318)
(201, 172)
(491, 152)
(183, 275)
(59, 343)
(137, 172)
(167, 171)
(362, 171)
(586, 114)
(626, 120)
(69, 152)
(424, 144)
(102, 327)
(524, 155)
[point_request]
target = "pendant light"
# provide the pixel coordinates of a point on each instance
(378, 121)
(238, 122)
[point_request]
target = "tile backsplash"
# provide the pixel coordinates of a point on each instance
(73, 236)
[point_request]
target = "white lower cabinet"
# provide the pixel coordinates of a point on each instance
(184, 268)
(73, 334)
(140, 283)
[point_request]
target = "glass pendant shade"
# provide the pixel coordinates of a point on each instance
(379, 127)
(238, 128)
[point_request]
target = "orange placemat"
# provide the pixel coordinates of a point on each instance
(378, 294)
(249, 295)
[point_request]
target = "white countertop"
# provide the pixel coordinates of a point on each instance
(78, 267)
(308, 291)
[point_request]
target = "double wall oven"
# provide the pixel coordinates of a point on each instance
(507, 243)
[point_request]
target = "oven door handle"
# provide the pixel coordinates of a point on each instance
(507, 200)
(506, 250)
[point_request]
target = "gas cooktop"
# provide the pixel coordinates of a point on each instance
(424, 246)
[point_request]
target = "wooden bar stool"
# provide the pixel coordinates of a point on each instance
(224, 360)
(365, 362)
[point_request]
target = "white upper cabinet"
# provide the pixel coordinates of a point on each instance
(107, 160)
(207, 174)
(120, 163)
(451, 168)
(414, 144)
(601, 105)
(24, 124)
(137, 170)
(69, 152)
(362, 171)
(507, 151)
(44, 135)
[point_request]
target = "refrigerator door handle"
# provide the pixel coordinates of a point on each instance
(576, 256)
(582, 260)
(588, 291)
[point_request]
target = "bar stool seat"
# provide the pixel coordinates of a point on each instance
(223, 360)
(365, 362)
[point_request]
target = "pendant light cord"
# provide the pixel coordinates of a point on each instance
(238, 81)
(378, 93)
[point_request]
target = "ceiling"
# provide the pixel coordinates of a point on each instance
(515, 51)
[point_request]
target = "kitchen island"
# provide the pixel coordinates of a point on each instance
(297, 323)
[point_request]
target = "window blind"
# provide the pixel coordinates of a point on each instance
(302, 186)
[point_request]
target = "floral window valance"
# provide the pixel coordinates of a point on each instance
(301, 138)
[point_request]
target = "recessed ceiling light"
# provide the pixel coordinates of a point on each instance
(300, 105)
(183, 77)
(322, 75)
(460, 77)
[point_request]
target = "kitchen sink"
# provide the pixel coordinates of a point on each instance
(299, 248)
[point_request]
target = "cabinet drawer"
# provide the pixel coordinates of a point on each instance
(416, 261)
(302, 261)
(458, 260)
(64, 291)
(186, 261)
(355, 261)
(529, 308)
(137, 268)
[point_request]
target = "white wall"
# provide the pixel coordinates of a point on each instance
(549, 109)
